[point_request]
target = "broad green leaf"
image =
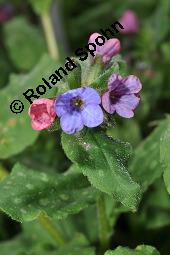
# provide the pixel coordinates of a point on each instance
(145, 166)
(41, 6)
(103, 160)
(24, 246)
(13, 247)
(24, 42)
(15, 129)
(165, 156)
(155, 208)
(140, 250)
(26, 193)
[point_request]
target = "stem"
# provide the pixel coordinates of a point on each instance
(47, 224)
(3, 173)
(50, 36)
(94, 70)
(103, 225)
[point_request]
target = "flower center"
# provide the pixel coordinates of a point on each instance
(77, 102)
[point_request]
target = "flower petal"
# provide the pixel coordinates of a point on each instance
(62, 104)
(126, 105)
(42, 113)
(106, 103)
(71, 123)
(110, 49)
(114, 81)
(92, 40)
(90, 96)
(133, 84)
(92, 115)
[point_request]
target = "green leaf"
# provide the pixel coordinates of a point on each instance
(140, 250)
(19, 32)
(15, 129)
(145, 166)
(165, 156)
(26, 193)
(41, 6)
(25, 246)
(103, 160)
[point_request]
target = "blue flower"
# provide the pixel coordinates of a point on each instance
(78, 108)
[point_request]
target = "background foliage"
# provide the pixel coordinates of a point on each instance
(46, 186)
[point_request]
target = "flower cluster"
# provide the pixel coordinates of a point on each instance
(85, 106)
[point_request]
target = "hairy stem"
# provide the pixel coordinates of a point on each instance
(50, 36)
(103, 225)
(48, 225)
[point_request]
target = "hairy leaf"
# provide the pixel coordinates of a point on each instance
(103, 160)
(140, 250)
(26, 193)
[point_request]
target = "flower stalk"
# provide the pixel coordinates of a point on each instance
(50, 36)
(103, 225)
(52, 230)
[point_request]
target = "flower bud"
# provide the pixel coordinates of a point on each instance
(130, 22)
(42, 113)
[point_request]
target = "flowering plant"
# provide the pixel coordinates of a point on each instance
(85, 168)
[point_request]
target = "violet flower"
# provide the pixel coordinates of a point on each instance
(78, 108)
(122, 96)
(42, 113)
(130, 22)
(108, 50)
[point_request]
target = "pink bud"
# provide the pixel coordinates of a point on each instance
(42, 113)
(130, 22)
(109, 49)
(6, 12)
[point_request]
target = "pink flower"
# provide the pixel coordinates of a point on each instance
(42, 113)
(109, 49)
(130, 22)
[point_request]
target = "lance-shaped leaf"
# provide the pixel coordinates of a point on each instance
(165, 156)
(140, 250)
(26, 193)
(103, 160)
(145, 166)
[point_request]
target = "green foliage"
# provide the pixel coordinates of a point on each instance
(41, 6)
(27, 193)
(103, 160)
(12, 141)
(145, 166)
(165, 156)
(24, 42)
(140, 250)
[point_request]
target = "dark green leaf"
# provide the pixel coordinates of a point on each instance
(145, 166)
(26, 193)
(103, 160)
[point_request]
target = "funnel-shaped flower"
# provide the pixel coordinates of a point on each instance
(42, 113)
(130, 22)
(78, 108)
(110, 48)
(122, 96)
